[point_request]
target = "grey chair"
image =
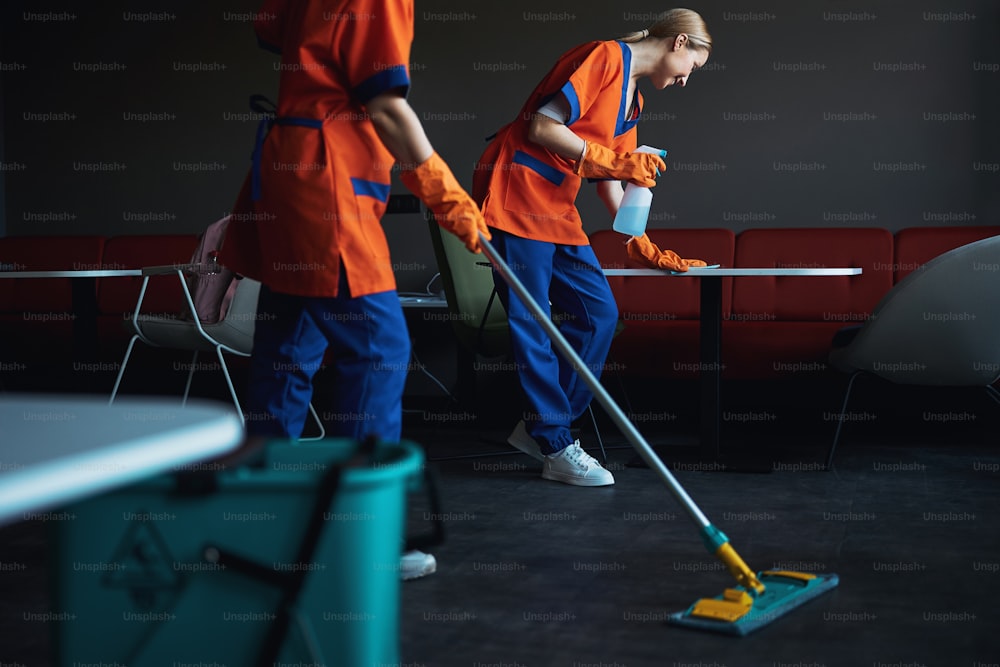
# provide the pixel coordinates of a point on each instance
(231, 335)
(939, 326)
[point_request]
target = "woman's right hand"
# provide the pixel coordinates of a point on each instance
(433, 182)
(601, 162)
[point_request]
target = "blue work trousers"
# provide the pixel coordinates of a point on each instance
(370, 350)
(568, 283)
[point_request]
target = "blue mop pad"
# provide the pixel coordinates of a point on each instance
(783, 592)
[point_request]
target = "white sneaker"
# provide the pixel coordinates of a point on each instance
(519, 439)
(575, 466)
(415, 564)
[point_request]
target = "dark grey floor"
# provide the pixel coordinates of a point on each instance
(538, 574)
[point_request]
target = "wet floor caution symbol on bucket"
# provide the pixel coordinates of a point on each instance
(142, 565)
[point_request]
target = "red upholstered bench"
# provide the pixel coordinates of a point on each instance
(773, 327)
(784, 325)
(116, 297)
(916, 246)
(39, 317)
(661, 315)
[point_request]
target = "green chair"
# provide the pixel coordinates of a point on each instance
(477, 316)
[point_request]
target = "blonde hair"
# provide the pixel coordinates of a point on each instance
(673, 22)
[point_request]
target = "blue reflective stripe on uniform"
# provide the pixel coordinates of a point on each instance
(263, 127)
(389, 78)
(301, 122)
(363, 188)
(629, 124)
(546, 171)
(574, 102)
(623, 124)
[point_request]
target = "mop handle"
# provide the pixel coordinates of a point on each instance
(619, 418)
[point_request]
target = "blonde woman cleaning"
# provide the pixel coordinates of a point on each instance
(579, 122)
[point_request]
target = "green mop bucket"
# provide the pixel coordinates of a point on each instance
(293, 559)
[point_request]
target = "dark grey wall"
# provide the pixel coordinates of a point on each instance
(808, 113)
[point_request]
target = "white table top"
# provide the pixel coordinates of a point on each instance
(407, 300)
(55, 449)
(82, 273)
(695, 272)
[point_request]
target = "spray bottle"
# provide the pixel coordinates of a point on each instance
(634, 209)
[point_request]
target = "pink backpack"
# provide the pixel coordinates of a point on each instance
(211, 292)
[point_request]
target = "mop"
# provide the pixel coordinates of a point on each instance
(760, 597)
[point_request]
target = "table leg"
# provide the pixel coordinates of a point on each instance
(708, 454)
(84, 292)
(710, 341)
(710, 370)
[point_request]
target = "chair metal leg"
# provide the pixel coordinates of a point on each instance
(319, 423)
(597, 432)
(840, 420)
(229, 382)
(121, 371)
(625, 398)
(239, 408)
(190, 378)
(993, 393)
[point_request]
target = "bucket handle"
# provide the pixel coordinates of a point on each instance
(436, 534)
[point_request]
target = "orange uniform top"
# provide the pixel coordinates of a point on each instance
(529, 191)
(321, 177)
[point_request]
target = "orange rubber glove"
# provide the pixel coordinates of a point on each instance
(435, 185)
(639, 168)
(642, 250)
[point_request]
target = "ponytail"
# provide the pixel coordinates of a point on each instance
(636, 36)
(674, 22)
